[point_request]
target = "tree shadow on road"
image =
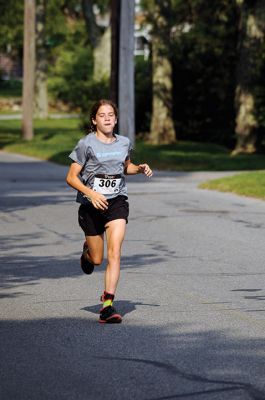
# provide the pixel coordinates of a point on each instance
(22, 269)
(71, 358)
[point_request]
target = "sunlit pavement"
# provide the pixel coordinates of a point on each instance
(192, 292)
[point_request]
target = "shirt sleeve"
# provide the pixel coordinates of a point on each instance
(80, 153)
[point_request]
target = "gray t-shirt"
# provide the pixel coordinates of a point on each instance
(103, 165)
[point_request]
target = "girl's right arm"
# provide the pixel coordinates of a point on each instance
(98, 200)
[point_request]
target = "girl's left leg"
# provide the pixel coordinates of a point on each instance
(115, 232)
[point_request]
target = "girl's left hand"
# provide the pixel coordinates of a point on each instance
(145, 169)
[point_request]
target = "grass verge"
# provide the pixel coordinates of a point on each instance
(251, 184)
(54, 139)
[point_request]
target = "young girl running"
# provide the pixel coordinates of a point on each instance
(100, 162)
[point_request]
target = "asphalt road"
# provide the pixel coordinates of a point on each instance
(192, 293)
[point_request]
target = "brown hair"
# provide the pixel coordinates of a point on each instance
(95, 108)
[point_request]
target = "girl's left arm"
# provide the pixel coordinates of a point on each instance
(132, 169)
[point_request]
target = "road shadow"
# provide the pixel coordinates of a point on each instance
(78, 358)
(32, 183)
(22, 269)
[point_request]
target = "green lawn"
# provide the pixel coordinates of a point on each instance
(54, 139)
(190, 156)
(250, 184)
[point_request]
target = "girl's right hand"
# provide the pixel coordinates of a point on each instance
(99, 201)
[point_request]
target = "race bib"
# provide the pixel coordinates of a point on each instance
(107, 184)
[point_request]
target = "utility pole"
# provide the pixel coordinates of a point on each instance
(126, 70)
(115, 46)
(28, 69)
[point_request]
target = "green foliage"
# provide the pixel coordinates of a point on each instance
(205, 59)
(202, 44)
(68, 48)
(72, 81)
(72, 69)
(10, 89)
(11, 26)
(92, 92)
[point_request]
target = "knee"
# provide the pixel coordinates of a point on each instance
(114, 255)
(96, 260)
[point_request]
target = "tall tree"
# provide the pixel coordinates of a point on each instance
(162, 124)
(93, 31)
(102, 56)
(28, 69)
(98, 36)
(41, 94)
(251, 40)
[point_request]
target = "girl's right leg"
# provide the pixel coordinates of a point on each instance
(92, 254)
(91, 223)
(95, 249)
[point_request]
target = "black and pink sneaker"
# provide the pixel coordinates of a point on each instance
(108, 315)
(86, 266)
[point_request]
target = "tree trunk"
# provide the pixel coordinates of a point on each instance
(251, 38)
(102, 56)
(162, 125)
(126, 71)
(100, 42)
(28, 69)
(41, 95)
(93, 30)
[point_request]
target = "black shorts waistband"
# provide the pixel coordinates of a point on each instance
(106, 176)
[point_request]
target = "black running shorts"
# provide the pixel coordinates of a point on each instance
(93, 221)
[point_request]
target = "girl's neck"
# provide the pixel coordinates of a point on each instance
(105, 137)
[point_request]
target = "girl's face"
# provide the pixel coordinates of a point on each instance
(105, 119)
